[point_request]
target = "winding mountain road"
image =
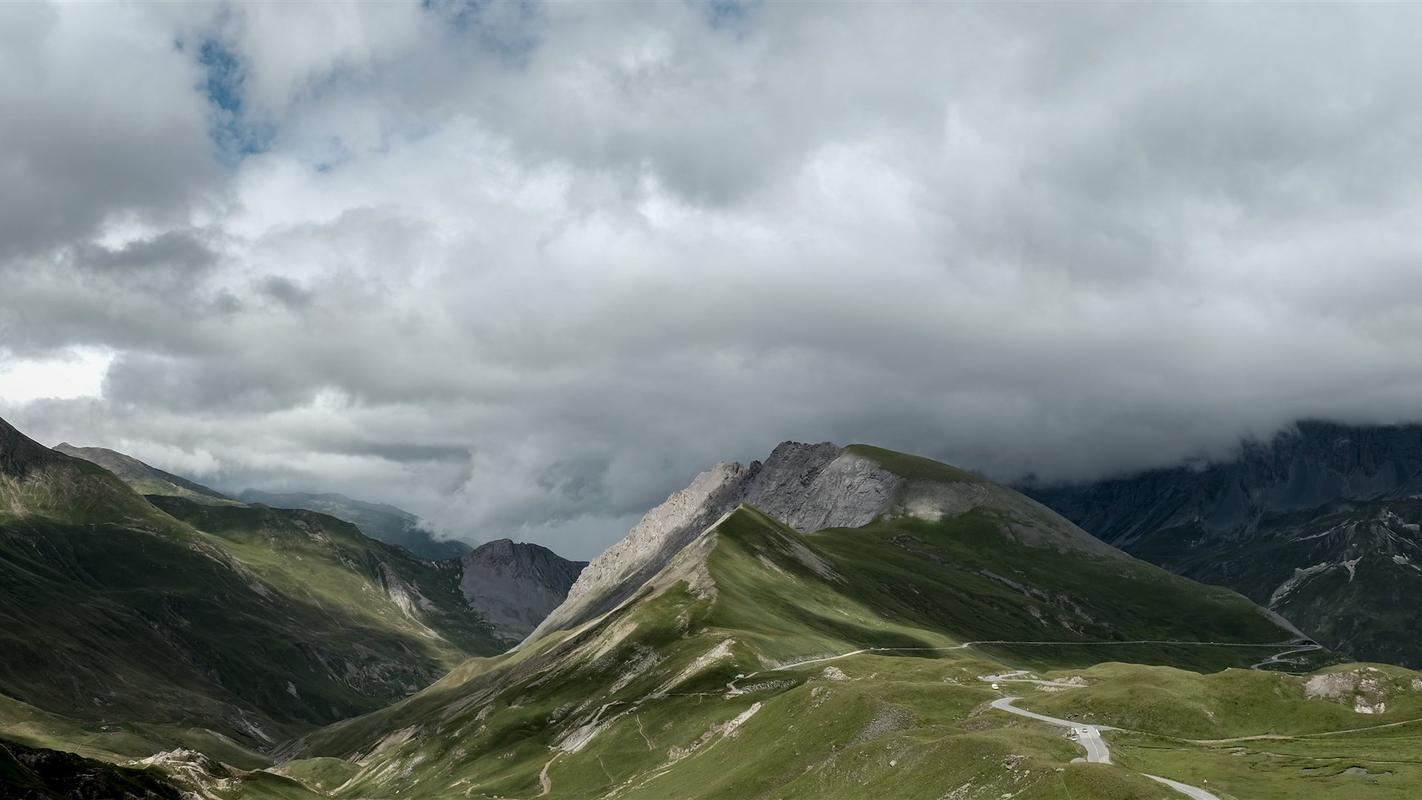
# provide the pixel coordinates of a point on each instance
(1088, 736)
(1097, 752)
(1282, 658)
(1193, 792)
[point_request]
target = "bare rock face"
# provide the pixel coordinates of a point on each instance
(807, 486)
(813, 487)
(515, 585)
(651, 544)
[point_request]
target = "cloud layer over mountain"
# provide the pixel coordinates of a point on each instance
(525, 268)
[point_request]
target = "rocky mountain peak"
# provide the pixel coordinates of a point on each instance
(515, 584)
(809, 487)
(806, 486)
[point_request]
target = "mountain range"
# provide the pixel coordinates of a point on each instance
(845, 644)
(379, 521)
(1322, 523)
(510, 585)
(185, 617)
(832, 622)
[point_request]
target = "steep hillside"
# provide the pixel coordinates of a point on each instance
(145, 479)
(330, 563)
(379, 521)
(759, 661)
(165, 626)
(1350, 573)
(1315, 524)
(514, 585)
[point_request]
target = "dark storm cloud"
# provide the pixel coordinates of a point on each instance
(526, 269)
(173, 251)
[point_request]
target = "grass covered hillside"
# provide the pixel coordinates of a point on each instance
(379, 521)
(965, 643)
(145, 479)
(762, 662)
(132, 628)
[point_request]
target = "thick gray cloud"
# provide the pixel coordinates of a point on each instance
(525, 269)
(100, 124)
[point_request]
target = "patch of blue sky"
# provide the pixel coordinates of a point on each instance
(728, 15)
(506, 28)
(235, 133)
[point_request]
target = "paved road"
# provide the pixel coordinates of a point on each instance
(1097, 751)
(1088, 736)
(1282, 658)
(1193, 792)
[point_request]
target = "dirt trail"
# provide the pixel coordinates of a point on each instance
(545, 783)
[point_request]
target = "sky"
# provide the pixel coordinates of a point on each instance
(526, 268)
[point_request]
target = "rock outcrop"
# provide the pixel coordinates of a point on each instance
(514, 585)
(651, 544)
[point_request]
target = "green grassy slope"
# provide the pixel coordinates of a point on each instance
(379, 521)
(146, 479)
(850, 663)
(705, 684)
(331, 564)
(228, 629)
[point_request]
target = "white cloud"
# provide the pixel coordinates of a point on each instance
(77, 373)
